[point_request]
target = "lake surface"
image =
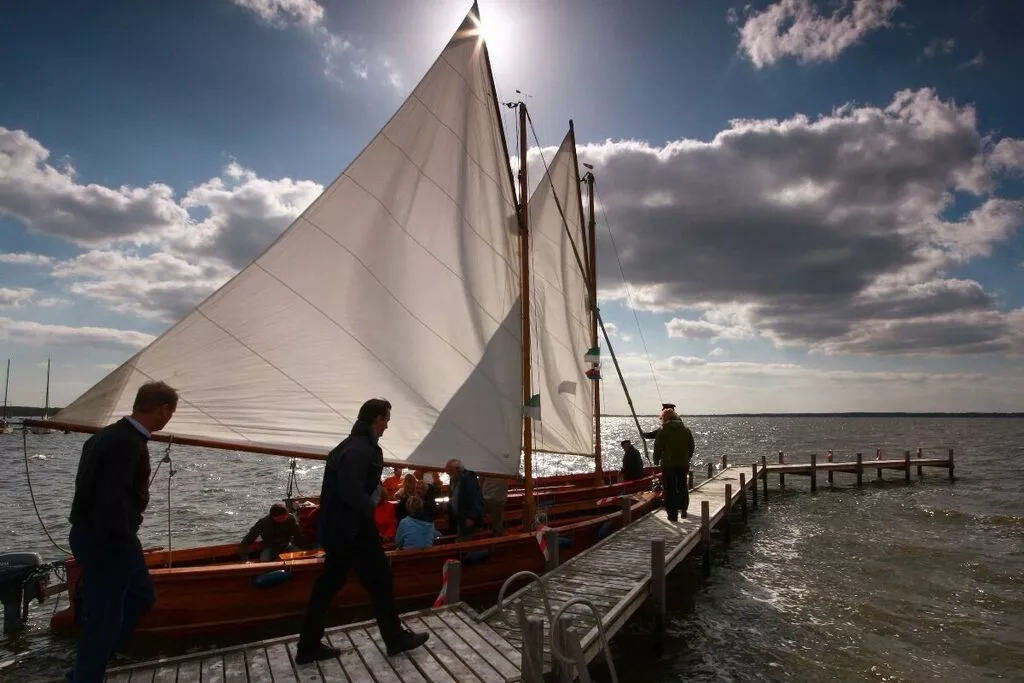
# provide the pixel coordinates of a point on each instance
(885, 583)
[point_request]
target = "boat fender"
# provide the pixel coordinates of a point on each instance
(605, 530)
(272, 578)
(564, 541)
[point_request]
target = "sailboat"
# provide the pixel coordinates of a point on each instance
(42, 428)
(405, 279)
(5, 426)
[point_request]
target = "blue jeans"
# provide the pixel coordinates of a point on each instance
(116, 593)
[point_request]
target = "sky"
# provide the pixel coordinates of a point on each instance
(802, 206)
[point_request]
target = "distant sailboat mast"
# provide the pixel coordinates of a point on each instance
(46, 401)
(5, 426)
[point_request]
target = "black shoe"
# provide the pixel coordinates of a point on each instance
(407, 640)
(315, 654)
(673, 519)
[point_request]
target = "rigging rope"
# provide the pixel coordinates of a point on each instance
(629, 297)
(170, 473)
(28, 477)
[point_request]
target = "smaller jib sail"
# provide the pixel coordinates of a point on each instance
(400, 281)
(559, 310)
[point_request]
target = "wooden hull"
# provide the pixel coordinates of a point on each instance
(214, 594)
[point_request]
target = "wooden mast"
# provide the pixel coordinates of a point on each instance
(592, 239)
(524, 274)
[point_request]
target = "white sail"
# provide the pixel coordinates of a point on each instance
(560, 318)
(400, 281)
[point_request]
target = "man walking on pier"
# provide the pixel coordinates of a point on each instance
(673, 449)
(111, 493)
(349, 495)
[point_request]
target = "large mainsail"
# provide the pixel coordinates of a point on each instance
(559, 310)
(401, 281)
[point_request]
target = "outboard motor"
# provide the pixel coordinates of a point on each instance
(22, 578)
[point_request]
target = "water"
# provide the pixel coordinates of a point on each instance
(886, 583)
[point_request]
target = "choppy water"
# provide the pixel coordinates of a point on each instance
(886, 583)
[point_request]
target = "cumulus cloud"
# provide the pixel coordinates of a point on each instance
(15, 297)
(804, 229)
(795, 28)
(1008, 155)
(25, 259)
(39, 334)
(50, 200)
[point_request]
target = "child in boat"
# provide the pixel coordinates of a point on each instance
(415, 533)
(403, 495)
(279, 531)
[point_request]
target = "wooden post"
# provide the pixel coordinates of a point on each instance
(860, 469)
(454, 569)
(753, 482)
(828, 458)
(764, 477)
(906, 466)
(532, 665)
(878, 456)
(564, 673)
(689, 479)
(551, 538)
(951, 478)
(743, 495)
(727, 514)
(627, 510)
(658, 602)
(919, 468)
(705, 533)
(725, 461)
(782, 477)
(711, 470)
(814, 472)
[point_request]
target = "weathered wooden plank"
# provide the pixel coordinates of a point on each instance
(351, 662)
(403, 664)
(280, 664)
(506, 668)
(439, 650)
(234, 667)
(166, 673)
(489, 635)
(212, 669)
(119, 677)
(258, 666)
(142, 676)
(314, 672)
(376, 662)
(473, 659)
(190, 671)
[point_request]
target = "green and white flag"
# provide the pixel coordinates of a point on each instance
(532, 407)
(593, 355)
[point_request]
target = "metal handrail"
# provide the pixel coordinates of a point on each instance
(534, 578)
(555, 648)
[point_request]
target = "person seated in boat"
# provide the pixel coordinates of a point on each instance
(393, 483)
(428, 488)
(495, 490)
(403, 495)
(465, 500)
(632, 465)
(279, 531)
(414, 532)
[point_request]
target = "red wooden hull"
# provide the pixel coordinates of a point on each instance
(208, 590)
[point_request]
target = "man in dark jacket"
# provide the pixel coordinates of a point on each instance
(673, 449)
(111, 493)
(465, 499)
(279, 530)
(349, 495)
(632, 464)
(653, 434)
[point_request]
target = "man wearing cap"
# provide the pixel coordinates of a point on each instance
(673, 450)
(653, 434)
(632, 465)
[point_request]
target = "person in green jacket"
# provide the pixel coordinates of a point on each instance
(673, 449)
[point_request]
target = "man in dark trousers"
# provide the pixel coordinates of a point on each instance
(632, 464)
(673, 450)
(111, 493)
(465, 499)
(653, 434)
(349, 495)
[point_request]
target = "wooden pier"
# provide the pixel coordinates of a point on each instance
(587, 599)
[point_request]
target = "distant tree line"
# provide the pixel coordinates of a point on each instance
(28, 411)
